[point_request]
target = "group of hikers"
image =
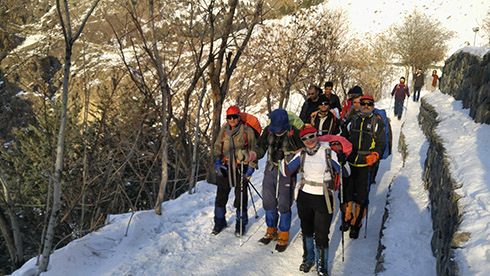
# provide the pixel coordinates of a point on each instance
(331, 147)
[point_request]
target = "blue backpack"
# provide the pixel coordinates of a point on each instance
(388, 134)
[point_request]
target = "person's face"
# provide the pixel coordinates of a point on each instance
(434, 72)
(313, 94)
(356, 103)
(367, 106)
(419, 71)
(402, 81)
(233, 120)
(323, 107)
(328, 90)
(310, 140)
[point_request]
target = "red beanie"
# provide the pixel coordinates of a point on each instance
(232, 110)
(307, 129)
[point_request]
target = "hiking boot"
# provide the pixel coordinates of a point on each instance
(237, 230)
(282, 241)
(344, 227)
(270, 235)
(217, 229)
(354, 232)
(306, 267)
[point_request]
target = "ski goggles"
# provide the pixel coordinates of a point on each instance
(308, 137)
(232, 116)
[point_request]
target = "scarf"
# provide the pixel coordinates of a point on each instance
(313, 151)
(231, 149)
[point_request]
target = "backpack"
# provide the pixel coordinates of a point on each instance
(294, 120)
(381, 114)
(252, 122)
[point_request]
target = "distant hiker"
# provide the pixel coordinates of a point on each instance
(318, 165)
(324, 119)
(355, 108)
(334, 100)
(366, 132)
(235, 139)
(280, 140)
(418, 82)
(356, 90)
(435, 78)
(400, 91)
(315, 97)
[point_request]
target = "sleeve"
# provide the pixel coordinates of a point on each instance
(218, 144)
(252, 143)
(302, 115)
(393, 91)
(380, 142)
(261, 147)
(288, 168)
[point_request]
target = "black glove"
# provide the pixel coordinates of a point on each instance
(341, 157)
(277, 155)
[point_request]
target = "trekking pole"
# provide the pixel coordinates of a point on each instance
(253, 203)
(250, 182)
(342, 205)
(367, 201)
(241, 202)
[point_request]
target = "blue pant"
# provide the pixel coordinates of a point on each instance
(277, 199)
(399, 108)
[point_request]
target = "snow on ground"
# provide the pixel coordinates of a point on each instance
(179, 241)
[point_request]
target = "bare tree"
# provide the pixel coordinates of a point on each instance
(419, 41)
(70, 39)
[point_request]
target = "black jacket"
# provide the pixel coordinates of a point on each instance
(309, 107)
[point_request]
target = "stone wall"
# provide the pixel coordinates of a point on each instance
(466, 77)
(446, 214)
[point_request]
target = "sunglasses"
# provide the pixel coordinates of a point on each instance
(324, 103)
(232, 116)
(308, 137)
(367, 103)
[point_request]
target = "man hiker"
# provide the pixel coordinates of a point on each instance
(367, 135)
(318, 165)
(334, 99)
(234, 141)
(400, 91)
(356, 90)
(315, 97)
(324, 119)
(418, 82)
(280, 140)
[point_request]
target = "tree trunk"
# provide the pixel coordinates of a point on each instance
(196, 139)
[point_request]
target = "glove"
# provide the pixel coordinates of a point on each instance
(341, 157)
(218, 165)
(372, 158)
(249, 172)
(252, 156)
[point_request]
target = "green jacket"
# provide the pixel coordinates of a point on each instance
(243, 141)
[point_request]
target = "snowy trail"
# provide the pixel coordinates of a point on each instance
(179, 241)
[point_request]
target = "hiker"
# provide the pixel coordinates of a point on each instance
(324, 119)
(318, 165)
(435, 78)
(356, 90)
(334, 99)
(366, 132)
(418, 82)
(235, 139)
(355, 108)
(400, 91)
(315, 97)
(280, 140)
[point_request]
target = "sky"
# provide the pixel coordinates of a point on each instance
(179, 242)
(459, 16)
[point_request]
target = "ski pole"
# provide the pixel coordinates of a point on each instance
(342, 204)
(253, 203)
(250, 182)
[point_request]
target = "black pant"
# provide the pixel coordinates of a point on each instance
(314, 216)
(356, 188)
(224, 189)
(416, 93)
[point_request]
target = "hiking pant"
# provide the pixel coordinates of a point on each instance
(275, 199)
(224, 190)
(399, 108)
(356, 190)
(416, 93)
(314, 216)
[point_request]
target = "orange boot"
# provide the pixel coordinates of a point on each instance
(270, 235)
(283, 241)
